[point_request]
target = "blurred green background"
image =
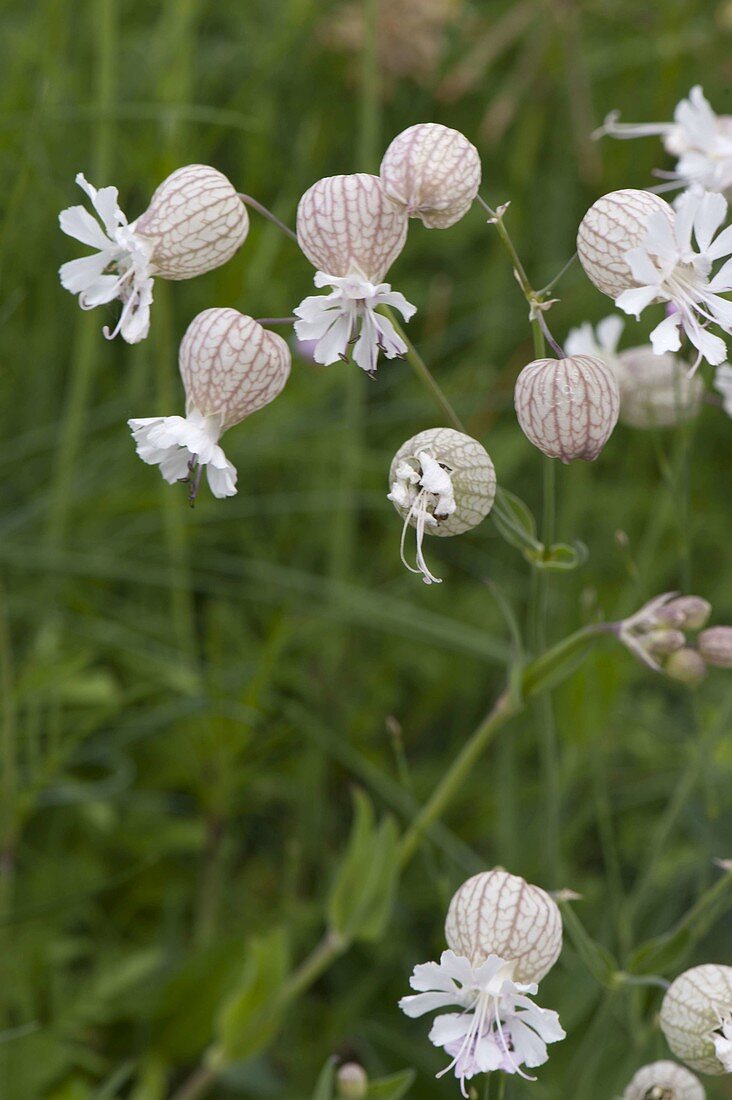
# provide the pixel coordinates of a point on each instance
(190, 697)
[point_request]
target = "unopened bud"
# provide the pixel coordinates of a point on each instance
(656, 391)
(196, 220)
(686, 612)
(687, 666)
(663, 641)
(696, 1018)
(567, 407)
(715, 646)
(664, 1081)
(612, 226)
(352, 1081)
(434, 172)
(495, 913)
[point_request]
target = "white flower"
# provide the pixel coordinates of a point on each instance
(723, 383)
(600, 342)
(195, 222)
(696, 1018)
(700, 139)
(347, 315)
(230, 367)
(442, 482)
(119, 269)
(432, 171)
(179, 444)
(668, 268)
(498, 1026)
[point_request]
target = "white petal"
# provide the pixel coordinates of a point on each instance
(722, 245)
(642, 268)
(222, 479)
(78, 223)
(420, 1003)
(80, 275)
(448, 1028)
(609, 331)
(528, 1049)
(665, 337)
(635, 301)
(709, 217)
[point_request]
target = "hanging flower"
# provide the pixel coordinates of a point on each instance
(496, 913)
(696, 1018)
(664, 1081)
(614, 224)
(351, 231)
(230, 367)
(666, 267)
(715, 646)
(700, 139)
(723, 384)
(498, 1026)
(442, 483)
(432, 171)
(195, 222)
(568, 407)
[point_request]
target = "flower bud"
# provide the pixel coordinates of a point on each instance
(567, 407)
(656, 391)
(663, 641)
(495, 913)
(196, 220)
(351, 1081)
(687, 666)
(348, 225)
(696, 1018)
(715, 646)
(686, 612)
(434, 172)
(231, 366)
(442, 483)
(664, 1081)
(612, 226)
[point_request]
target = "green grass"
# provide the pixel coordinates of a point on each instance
(189, 698)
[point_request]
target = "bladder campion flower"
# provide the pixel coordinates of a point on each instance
(700, 139)
(504, 936)
(194, 223)
(567, 407)
(432, 171)
(656, 635)
(442, 483)
(686, 665)
(664, 1081)
(696, 1018)
(666, 267)
(686, 612)
(352, 232)
(614, 224)
(230, 367)
(656, 391)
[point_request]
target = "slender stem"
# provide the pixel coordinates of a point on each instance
(518, 267)
(550, 285)
(317, 962)
(198, 1084)
(504, 709)
(426, 376)
(275, 320)
(370, 120)
(249, 201)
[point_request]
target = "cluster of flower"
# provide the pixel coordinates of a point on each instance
(658, 635)
(503, 938)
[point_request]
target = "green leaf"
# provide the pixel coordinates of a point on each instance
(562, 558)
(251, 1016)
(363, 892)
(515, 522)
(326, 1080)
(392, 1088)
(665, 953)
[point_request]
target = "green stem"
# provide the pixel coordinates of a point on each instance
(426, 376)
(505, 708)
(331, 947)
(370, 122)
